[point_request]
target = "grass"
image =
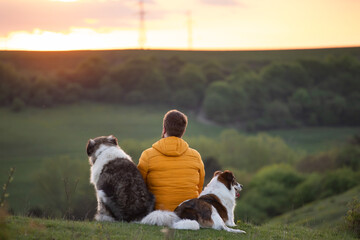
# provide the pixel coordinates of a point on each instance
(315, 139)
(320, 214)
(34, 228)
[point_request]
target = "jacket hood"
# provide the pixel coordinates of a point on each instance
(171, 146)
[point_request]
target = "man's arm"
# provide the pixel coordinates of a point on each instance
(143, 166)
(202, 175)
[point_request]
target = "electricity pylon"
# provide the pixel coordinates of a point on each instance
(142, 30)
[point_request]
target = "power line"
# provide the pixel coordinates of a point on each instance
(189, 24)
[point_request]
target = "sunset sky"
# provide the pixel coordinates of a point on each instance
(216, 24)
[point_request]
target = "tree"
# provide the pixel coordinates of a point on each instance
(141, 76)
(223, 103)
(185, 99)
(280, 80)
(277, 115)
(192, 79)
(10, 84)
(300, 104)
(213, 71)
(171, 69)
(256, 96)
(90, 72)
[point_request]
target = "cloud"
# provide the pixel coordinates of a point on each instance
(221, 2)
(24, 15)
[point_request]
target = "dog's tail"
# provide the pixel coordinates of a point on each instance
(169, 219)
(160, 218)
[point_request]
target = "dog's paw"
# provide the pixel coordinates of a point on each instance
(104, 218)
(234, 230)
(231, 224)
(239, 231)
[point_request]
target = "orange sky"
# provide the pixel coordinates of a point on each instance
(216, 24)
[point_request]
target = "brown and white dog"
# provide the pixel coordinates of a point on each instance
(214, 208)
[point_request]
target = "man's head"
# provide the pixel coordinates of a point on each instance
(174, 123)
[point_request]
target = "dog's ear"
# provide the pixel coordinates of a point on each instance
(217, 173)
(113, 139)
(228, 175)
(90, 147)
(226, 178)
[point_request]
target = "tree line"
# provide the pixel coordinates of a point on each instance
(306, 92)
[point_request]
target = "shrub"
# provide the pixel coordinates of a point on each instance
(319, 162)
(4, 228)
(281, 173)
(249, 213)
(352, 218)
(208, 147)
(349, 157)
(271, 191)
(251, 153)
(308, 190)
(63, 184)
(17, 105)
(337, 181)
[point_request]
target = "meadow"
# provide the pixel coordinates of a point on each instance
(36, 135)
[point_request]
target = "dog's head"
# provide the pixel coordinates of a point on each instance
(95, 146)
(228, 179)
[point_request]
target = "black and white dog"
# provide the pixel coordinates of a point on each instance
(214, 208)
(121, 192)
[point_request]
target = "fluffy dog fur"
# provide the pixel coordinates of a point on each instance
(214, 208)
(121, 192)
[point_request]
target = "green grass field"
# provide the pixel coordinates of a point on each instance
(29, 137)
(315, 139)
(33, 228)
(320, 214)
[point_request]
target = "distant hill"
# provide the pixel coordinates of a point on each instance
(324, 213)
(47, 60)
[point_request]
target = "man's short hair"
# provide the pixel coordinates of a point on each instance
(175, 123)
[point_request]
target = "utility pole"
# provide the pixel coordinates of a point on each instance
(189, 25)
(142, 31)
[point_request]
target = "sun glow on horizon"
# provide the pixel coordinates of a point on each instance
(56, 25)
(64, 0)
(75, 39)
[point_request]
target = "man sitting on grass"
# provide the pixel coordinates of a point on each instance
(172, 170)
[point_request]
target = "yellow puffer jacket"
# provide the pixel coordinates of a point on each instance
(172, 171)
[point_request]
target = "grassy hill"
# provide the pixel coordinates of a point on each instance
(34, 228)
(320, 214)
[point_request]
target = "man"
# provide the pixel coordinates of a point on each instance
(172, 171)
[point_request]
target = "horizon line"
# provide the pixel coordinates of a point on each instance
(193, 50)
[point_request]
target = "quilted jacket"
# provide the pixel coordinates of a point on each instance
(172, 171)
